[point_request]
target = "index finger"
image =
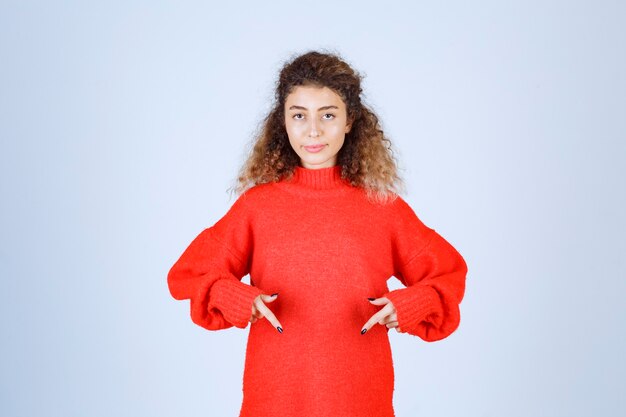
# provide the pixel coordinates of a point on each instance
(269, 315)
(385, 311)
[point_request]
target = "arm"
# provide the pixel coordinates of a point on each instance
(434, 274)
(209, 272)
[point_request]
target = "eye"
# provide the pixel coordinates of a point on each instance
(330, 114)
(297, 114)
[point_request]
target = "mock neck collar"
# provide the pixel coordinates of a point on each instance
(316, 183)
(317, 178)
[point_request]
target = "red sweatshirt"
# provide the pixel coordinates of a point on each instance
(318, 242)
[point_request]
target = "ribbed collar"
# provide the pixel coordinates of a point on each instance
(316, 182)
(319, 178)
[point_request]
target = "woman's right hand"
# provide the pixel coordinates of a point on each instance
(260, 310)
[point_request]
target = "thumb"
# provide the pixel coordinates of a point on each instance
(269, 298)
(378, 301)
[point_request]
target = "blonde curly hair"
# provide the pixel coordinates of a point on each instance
(367, 159)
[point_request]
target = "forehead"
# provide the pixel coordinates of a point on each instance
(313, 96)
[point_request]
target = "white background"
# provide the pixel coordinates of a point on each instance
(123, 123)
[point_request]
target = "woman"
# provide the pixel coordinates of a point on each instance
(319, 225)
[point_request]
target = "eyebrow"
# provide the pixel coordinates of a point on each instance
(321, 108)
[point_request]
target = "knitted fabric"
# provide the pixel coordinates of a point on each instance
(325, 248)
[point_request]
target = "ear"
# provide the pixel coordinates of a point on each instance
(348, 127)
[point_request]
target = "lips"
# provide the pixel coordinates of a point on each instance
(314, 148)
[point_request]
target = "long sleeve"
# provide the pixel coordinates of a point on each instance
(209, 272)
(434, 275)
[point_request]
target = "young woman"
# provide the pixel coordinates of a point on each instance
(320, 226)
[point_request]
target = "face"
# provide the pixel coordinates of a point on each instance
(316, 123)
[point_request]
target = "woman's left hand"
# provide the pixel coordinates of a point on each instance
(385, 316)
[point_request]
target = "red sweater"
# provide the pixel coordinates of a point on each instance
(318, 242)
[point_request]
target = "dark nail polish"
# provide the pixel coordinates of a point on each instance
(274, 294)
(363, 331)
(280, 329)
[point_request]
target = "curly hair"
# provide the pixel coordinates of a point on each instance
(367, 159)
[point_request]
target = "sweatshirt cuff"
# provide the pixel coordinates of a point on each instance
(234, 300)
(414, 305)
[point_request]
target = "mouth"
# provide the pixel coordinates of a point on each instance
(314, 148)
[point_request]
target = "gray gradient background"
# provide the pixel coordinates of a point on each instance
(123, 124)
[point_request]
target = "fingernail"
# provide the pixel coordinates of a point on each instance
(280, 329)
(363, 331)
(274, 294)
(370, 298)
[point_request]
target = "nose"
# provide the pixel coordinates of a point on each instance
(314, 132)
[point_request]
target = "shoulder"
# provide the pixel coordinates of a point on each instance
(253, 198)
(403, 217)
(242, 211)
(397, 207)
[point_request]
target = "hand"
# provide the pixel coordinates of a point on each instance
(260, 310)
(385, 316)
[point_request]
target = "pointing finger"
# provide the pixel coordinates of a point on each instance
(270, 316)
(372, 321)
(379, 316)
(260, 300)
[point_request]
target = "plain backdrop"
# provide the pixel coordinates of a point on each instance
(123, 123)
